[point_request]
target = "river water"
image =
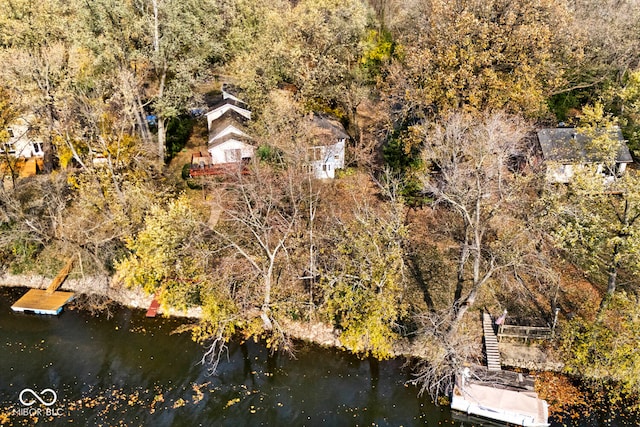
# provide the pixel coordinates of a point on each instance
(130, 370)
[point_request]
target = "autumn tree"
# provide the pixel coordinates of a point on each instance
(39, 57)
(611, 33)
(623, 101)
(30, 219)
(477, 55)
(604, 350)
(153, 59)
(10, 110)
(363, 280)
(595, 218)
(314, 46)
(261, 213)
(164, 255)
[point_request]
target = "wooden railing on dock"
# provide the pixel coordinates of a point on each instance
(525, 332)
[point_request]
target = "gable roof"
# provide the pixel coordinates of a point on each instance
(228, 118)
(226, 129)
(229, 105)
(231, 91)
(569, 145)
(244, 139)
(326, 128)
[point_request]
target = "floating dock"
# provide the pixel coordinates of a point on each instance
(39, 301)
(49, 301)
(509, 406)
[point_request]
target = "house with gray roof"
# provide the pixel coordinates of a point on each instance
(566, 149)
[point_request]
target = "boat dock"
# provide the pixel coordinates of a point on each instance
(519, 408)
(46, 301)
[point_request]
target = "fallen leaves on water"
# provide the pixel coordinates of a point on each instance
(232, 402)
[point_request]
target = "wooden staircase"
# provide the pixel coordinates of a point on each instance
(490, 344)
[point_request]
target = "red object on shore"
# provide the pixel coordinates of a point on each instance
(153, 308)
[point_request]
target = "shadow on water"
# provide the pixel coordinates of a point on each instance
(130, 370)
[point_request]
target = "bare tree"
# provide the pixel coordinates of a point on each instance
(262, 211)
(468, 173)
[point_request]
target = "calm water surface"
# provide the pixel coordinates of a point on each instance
(130, 370)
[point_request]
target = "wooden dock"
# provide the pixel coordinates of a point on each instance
(49, 301)
(502, 396)
(490, 344)
(39, 301)
(523, 409)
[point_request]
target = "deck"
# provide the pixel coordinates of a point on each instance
(39, 301)
(525, 333)
(220, 170)
(46, 301)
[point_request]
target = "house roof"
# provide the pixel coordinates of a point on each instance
(569, 145)
(323, 127)
(227, 103)
(229, 118)
(229, 137)
(230, 115)
(227, 106)
(228, 129)
(231, 91)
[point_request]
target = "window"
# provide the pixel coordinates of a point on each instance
(316, 153)
(8, 147)
(11, 134)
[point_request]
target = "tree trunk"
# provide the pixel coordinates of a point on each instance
(47, 146)
(464, 255)
(162, 131)
(266, 303)
(162, 135)
(612, 277)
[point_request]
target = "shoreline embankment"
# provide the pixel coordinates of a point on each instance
(314, 332)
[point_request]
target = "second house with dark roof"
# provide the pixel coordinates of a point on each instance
(565, 150)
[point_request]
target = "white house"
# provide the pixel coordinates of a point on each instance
(327, 152)
(564, 150)
(228, 124)
(228, 143)
(20, 143)
(230, 149)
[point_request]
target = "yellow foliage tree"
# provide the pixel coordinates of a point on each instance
(363, 283)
